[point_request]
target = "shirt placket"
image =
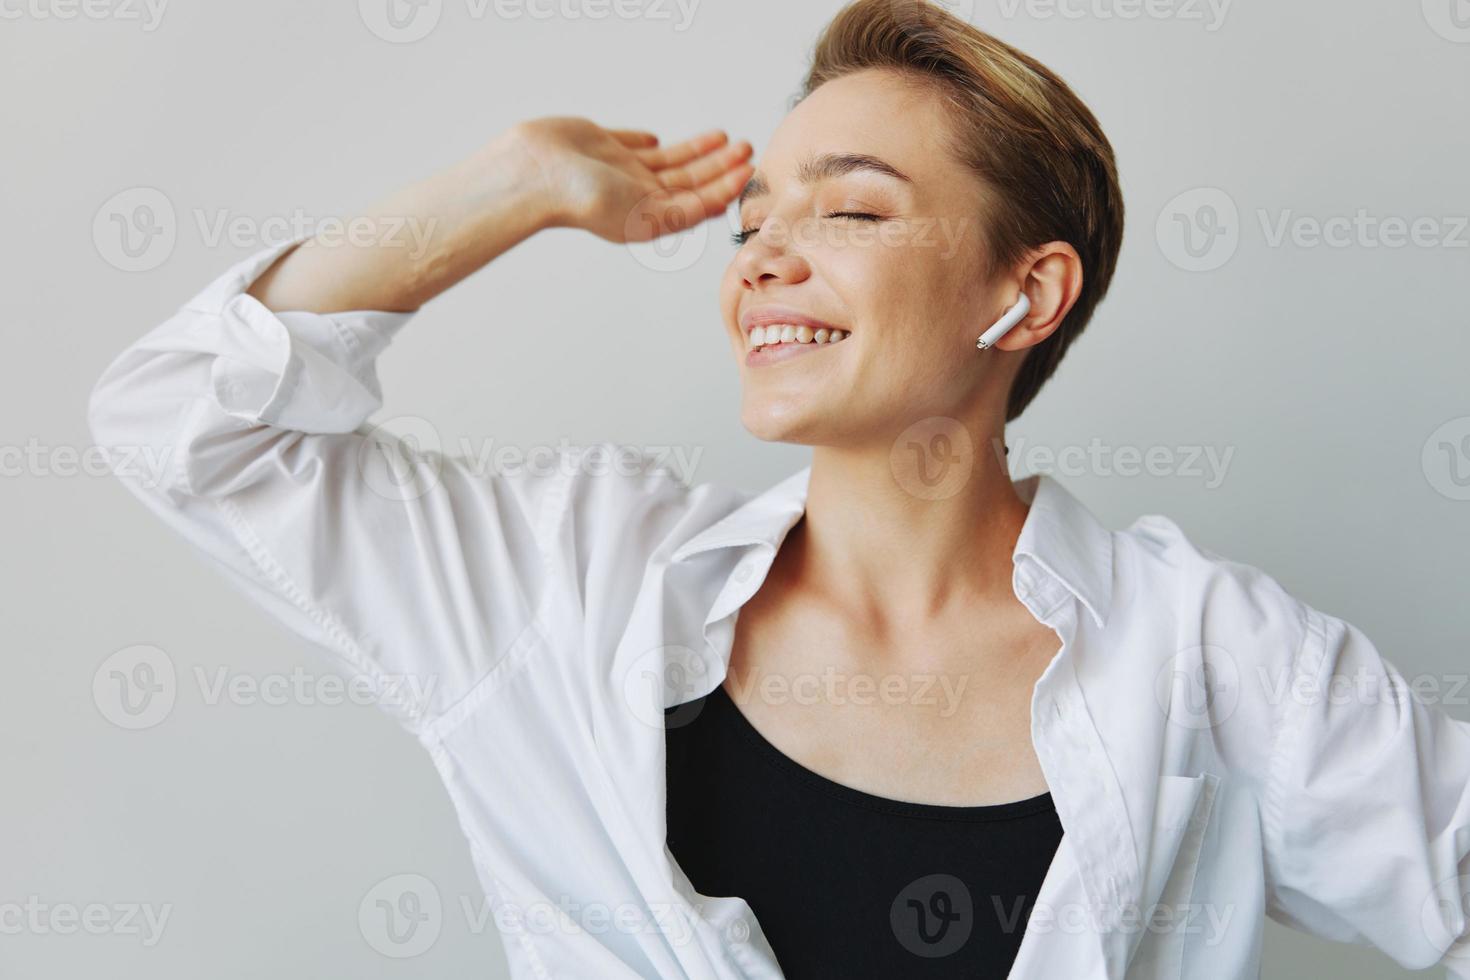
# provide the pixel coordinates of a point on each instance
(1083, 785)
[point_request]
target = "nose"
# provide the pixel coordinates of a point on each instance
(768, 260)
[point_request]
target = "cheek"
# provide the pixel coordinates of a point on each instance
(919, 340)
(871, 286)
(730, 286)
(729, 300)
(893, 291)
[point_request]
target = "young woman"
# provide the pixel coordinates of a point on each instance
(897, 716)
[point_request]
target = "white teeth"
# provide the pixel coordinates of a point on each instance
(787, 333)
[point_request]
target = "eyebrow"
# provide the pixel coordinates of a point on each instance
(825, 167)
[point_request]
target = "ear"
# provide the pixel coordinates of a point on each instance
(1051, 276)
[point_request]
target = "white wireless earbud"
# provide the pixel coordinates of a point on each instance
(1003, 326)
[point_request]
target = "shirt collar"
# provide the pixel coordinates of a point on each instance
(1059, 534)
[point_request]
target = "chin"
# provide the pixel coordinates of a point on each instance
(798, 423)
(777, 421)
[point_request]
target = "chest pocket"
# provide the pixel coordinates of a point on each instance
(1166, 916)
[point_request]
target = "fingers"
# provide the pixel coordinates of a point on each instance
(699, 178)
(681, 153)
(706, 168)
(634, 139)
(685, 207)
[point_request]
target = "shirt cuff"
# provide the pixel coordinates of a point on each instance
(312, 372)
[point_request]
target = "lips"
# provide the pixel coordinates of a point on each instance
(776, 353)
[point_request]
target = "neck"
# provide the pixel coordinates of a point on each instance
(897, 536)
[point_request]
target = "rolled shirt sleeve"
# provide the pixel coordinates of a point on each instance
(412, 569)
(1367, 815)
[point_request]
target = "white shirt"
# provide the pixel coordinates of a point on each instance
(1206, 765)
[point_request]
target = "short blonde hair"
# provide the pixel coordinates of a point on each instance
(1019, 127)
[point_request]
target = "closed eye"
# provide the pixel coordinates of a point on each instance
(744, 235)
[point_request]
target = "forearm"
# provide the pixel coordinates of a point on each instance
(446, 227)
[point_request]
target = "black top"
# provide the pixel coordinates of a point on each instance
(845, 884)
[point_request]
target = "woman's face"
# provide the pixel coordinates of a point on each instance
(868, 225)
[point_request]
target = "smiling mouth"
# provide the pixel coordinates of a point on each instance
(779, 335)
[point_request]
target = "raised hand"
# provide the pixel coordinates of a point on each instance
(621, 185)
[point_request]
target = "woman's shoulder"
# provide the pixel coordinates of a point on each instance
(643, 500)
(1162, 568)
(623, 476)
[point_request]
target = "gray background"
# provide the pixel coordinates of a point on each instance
(1336, 376)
